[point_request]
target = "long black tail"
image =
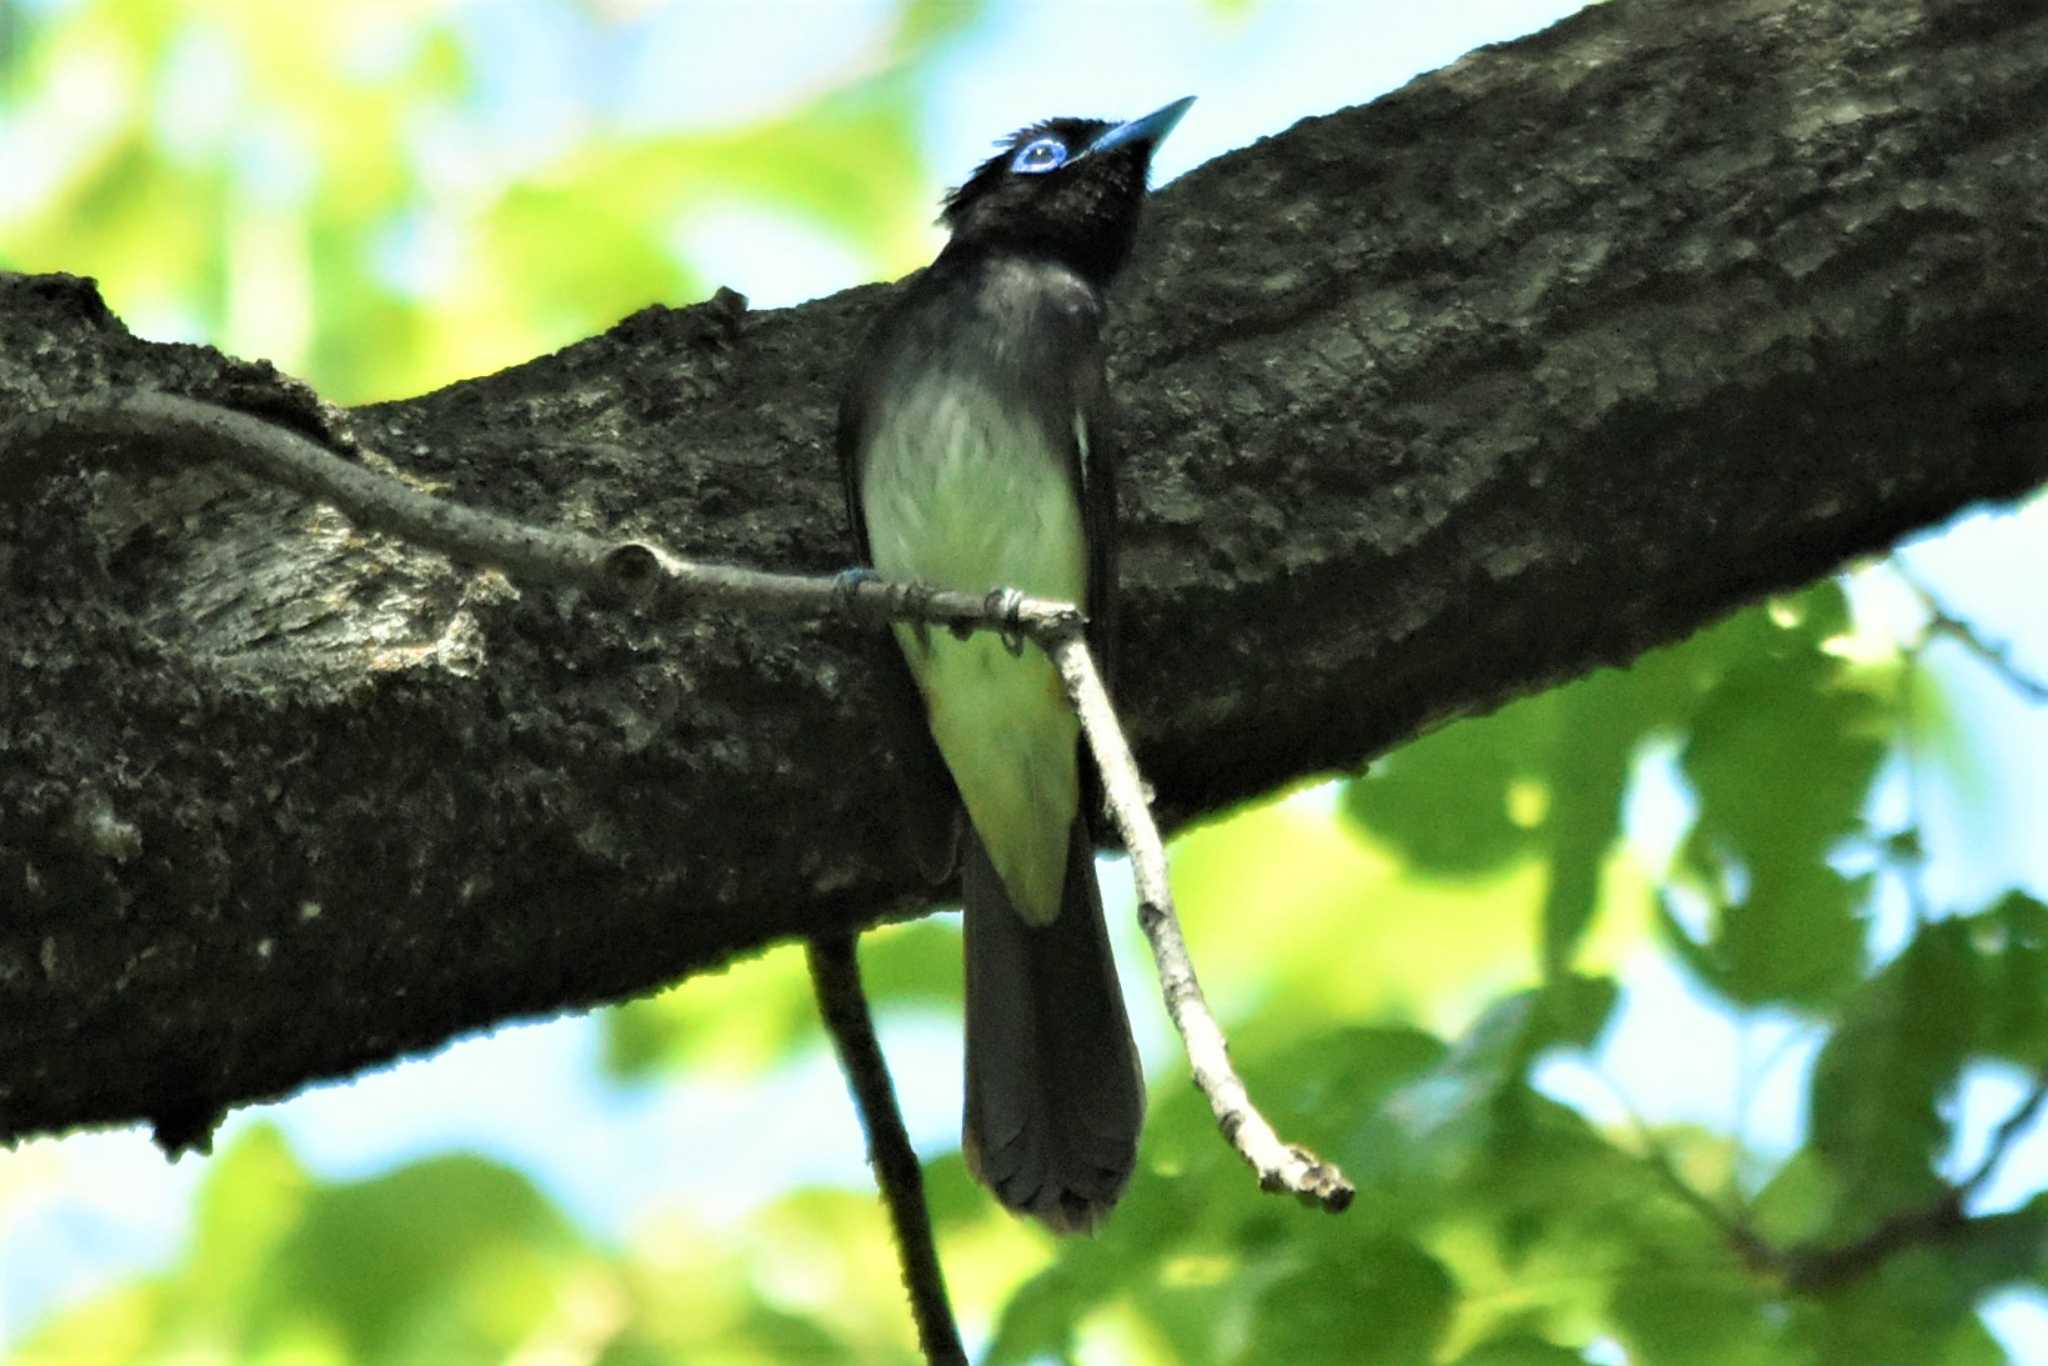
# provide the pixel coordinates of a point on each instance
(1055, 1096)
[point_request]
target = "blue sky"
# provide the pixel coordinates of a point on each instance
(102, 1206)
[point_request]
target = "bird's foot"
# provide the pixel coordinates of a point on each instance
(1008, 604)
(847, 582)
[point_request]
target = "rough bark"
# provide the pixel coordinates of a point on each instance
(1547, 358)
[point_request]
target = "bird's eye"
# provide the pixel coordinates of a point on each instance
(1039, 155)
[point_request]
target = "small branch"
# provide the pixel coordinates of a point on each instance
(2003, 1136)
(1731, 1223)
(835, 977)
(1814, 1268)
(1281, 1166)
(163, 428)
(1818, 1269)
(1942, 621)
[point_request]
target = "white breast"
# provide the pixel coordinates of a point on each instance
(960, 492)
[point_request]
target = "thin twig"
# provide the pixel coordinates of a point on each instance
(1815, 1269)
(835, 977)
(1818, 1270)
(2003, 1136)
(1281, 1166)
(1731, 1222)
(168, 431)
(1943, 621)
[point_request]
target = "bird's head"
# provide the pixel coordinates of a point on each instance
(1066, 188)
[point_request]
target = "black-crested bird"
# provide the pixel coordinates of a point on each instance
(974, 443)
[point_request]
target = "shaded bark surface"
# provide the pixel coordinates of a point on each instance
(1547, 358)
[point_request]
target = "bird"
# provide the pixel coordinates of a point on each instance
(975, 447)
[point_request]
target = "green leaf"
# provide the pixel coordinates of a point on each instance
(1880, 1079)
(1788, 926)
(1278, 883)
(1520, 1351)
(120, 1325)
(1971, 1344)
(1381, 1300)
(449, 1258)
(1797, 936)
(1453, 1108)
(1797, 1204)
(1598, 735)
(254, 1195)
(1336, 1091)
(916, 961)
(1703, 959)
(756, 1012)
(923, 24)
(1678, 1315)
(1041, 1317)
(1550, 773)
(1446, 801)
(2011, 943)
(761, 1011)
(1197, 1244)
(448, 1255)
(951, 1195)
(1913, 1307)
(2003, 1249)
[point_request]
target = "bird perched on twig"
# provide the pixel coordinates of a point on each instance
(975, 446)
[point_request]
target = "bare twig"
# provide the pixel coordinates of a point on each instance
(1815, 1269)
(1731, 1225)
(1943, 621)
(835, 977)
(2003, 1136)
(1730, 1222)
(1281, 1166)
(1818, 1270)
(169, 429)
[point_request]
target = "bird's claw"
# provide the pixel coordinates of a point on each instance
(848, 581)
(1008, 604)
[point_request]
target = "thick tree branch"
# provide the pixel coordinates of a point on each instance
(1547, 358)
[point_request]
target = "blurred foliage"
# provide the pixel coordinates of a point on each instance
(271, 178)
(457, 1259)
(1494, 1225)
(760, 1013)
(1397, 956)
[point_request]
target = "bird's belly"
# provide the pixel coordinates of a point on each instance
(959, 494)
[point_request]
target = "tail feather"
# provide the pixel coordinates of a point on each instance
(1055, 1097)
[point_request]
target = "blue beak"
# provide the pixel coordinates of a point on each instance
(1149, 131)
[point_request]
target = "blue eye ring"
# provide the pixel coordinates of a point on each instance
(1039, 156)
